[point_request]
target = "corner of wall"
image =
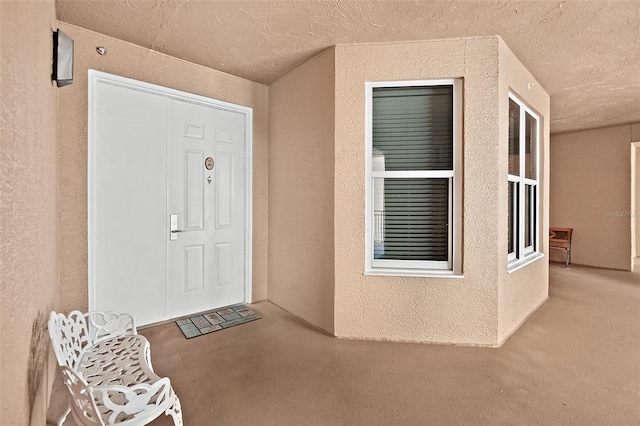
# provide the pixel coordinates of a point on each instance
(521, 292)
(301, 191)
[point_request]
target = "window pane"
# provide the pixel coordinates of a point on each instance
(513, 214)
(413, 127)
(411, 219)
(530, 215)
(514, 138)
(530, 140)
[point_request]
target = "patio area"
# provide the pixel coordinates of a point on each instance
(575, 361)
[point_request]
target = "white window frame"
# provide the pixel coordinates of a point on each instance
(523, 255)
(453, 266)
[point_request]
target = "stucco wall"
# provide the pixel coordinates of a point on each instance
(637, 200)
(635, 132)
(301, 182)
(28, 191)
(635, 138)
(635, 181)
(443, 310)
(521, 291)
(142, 64)
(591, 193)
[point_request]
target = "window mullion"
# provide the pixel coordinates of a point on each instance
(536, 190)
(522, 187)
(442, 174)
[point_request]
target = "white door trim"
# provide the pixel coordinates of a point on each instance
(96, 77)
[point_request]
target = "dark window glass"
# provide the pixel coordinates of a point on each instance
(530, 138)
(513, 215)
(413, 127)
(514, 138)
(411, 219)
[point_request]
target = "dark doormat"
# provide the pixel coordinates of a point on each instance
(216, 320)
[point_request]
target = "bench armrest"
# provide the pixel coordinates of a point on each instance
(82, 401)
(111, 404)
(139, 403)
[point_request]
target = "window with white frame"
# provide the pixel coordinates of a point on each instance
(414, 182)
(523, 222)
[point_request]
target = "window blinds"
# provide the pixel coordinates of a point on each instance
(413, 127)
(412, 132)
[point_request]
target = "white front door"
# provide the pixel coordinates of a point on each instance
(206, 208)
(154, 153)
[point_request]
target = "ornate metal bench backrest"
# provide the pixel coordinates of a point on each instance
(71, 335)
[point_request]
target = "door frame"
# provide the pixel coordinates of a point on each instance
(99, 77)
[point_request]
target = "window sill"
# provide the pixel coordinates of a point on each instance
(521, 263)
(412, 273)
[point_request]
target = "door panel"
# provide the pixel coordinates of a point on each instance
(224, 255)
(194, 179)
(194, 269)
(205, 264)
(229, 204)
(224, 189)
(128, 175)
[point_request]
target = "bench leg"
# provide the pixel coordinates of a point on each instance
(63, 418)
(567, 260)
(175, 411)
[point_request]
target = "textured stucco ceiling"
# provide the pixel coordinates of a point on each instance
(586, 54)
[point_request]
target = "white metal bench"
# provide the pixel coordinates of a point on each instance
(106, 366)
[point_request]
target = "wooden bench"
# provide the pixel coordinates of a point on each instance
(106, 366)
(560, 240)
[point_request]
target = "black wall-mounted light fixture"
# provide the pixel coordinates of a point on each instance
(62, 59)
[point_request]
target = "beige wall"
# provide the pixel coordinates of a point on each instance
(635, 156)
(591, 193)
(28, 221)
(135, 62)
(635, 138)
(521, 292)
(636, 209)
(442, 310)
(301, 207)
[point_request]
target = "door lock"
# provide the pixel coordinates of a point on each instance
(173, 227)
